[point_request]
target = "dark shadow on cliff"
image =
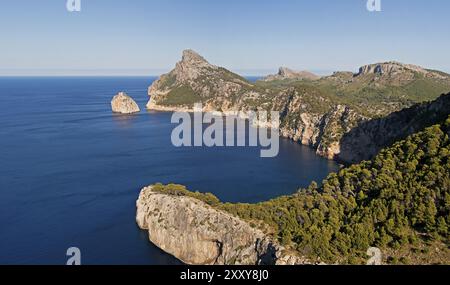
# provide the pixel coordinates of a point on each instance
(366, 140)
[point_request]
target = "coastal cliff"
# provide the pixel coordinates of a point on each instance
(370, 137)
(318, 112)
(397, 202)
(197, 234)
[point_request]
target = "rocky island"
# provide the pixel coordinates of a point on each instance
(124, 104)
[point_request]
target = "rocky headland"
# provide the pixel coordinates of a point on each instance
(318, 112)
(198, 234)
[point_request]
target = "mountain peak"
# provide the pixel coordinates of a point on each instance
(284, 71)
(192, 57)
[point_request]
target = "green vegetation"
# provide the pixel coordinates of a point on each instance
(181, 95)
(180, 190)
(168, 81)
(399, 202)
(227, 75)
(370, 95)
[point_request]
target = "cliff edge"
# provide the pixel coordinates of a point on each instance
(198, 234)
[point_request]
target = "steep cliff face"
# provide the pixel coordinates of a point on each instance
(364, 141)
(392, 69)
(320, 130)
(198, 234)
(317, 112)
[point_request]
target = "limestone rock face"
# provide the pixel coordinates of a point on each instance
(124, 104)
(368, 138)
(392, 68)
(198, 234)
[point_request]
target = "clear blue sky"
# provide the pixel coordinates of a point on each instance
(248, 36)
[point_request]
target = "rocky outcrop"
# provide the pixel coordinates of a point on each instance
(194, 80)
(393, 68)
(286, 73)
(321, 131)
(199, 234)
(124, 104)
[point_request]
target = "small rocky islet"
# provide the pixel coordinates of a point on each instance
(124, 104)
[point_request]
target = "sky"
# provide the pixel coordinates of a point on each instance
(251, 37)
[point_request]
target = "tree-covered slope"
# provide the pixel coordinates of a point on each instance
(399, 202)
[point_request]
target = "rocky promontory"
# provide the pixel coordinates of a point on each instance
(198, 234)
(318, 112)
(124, 104)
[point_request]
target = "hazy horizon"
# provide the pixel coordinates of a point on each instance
(152, 72)
(252, 38)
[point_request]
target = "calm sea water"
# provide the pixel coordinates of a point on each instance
(71, 171)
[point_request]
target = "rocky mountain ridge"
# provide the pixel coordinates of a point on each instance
(392, 68)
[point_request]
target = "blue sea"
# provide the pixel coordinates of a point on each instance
(71, 170)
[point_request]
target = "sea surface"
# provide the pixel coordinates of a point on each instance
(71, 170)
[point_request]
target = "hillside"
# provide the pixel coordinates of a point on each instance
(368, 138)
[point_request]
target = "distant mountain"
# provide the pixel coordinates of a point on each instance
(285, 73)
(316, 112)
(195, 80)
